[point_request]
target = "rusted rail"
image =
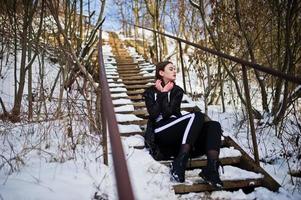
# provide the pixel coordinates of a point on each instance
(268, 70)
(109, 121)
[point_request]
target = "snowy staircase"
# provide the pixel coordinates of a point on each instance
(128, 75)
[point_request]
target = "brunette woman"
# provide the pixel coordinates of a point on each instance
(170, 134)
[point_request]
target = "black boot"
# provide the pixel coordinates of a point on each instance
(210, 174)
(178, 166)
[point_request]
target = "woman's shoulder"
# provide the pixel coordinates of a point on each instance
(150, 89)
(178, 88)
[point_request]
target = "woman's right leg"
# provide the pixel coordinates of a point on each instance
(180, 134)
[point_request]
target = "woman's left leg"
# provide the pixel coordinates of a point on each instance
(212, 131)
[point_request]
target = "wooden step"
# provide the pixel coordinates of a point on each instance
(136, 82)
(136, 122)
(138, 78)
(134, 92)
(136, 97)
(130, 63)
(202, 162)
(136, 87)
(135, 76)
(126, 68)
(119, 52)
(228, 185)
(124, 57)
(129, 73)
(139, 104)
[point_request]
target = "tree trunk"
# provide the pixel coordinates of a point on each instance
(250, 50)
(18, 98)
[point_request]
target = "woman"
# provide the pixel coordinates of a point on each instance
(171, 134)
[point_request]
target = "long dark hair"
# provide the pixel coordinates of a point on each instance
(160, 67)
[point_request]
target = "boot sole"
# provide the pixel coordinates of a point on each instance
(216, 187)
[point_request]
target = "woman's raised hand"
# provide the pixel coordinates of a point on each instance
(168, 86)
(158, 85)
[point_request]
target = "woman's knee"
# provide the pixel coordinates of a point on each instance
(199, 115)
(214, 126)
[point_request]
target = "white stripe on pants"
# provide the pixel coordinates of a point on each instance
(191, 116)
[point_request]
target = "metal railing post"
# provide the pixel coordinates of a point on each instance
(250, 113)
(156, 47)
(182, 65)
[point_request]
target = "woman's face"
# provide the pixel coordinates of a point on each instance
(169, 73)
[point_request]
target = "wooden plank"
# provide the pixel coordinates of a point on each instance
(201, 162)
(115, 98)
(228, 185)
(135, 87)
(129, 63)
(124, 56)
(139, 104)
(133, 92)
(136, 82)
(135, 122)
(249, 164)
(129, 72)
(135, 77)
(135, 98)
(126, 68)
(129, 75)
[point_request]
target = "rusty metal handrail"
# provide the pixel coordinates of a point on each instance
(124, 187)
(268, 70)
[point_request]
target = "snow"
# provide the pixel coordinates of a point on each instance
(124, 108)
(122, 101)
(53, 180)
(133, 141)
(230, 173)
(118, 89)
(229, 152)
(111, 76)
(127, 117)
(123, 94)
(234, 173)
(129, 128)
(116, 85)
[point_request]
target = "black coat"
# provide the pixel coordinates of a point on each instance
(164, 103)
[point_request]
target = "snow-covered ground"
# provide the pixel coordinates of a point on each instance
(62, 159)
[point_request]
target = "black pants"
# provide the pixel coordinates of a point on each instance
(190, 129)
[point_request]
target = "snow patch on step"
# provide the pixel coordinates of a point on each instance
(124, 108)
(122, 101)
(133, 141)
(129, 129)
(116, 85)
(127, 118)
(123, 94)
(118, 89)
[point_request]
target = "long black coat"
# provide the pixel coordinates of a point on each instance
(164, 103)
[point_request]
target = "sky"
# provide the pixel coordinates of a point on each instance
(111, 13)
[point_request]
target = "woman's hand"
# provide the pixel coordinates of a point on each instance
(158, 85)
(168, 87)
